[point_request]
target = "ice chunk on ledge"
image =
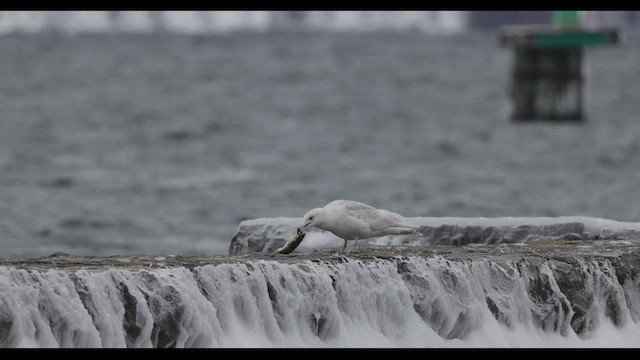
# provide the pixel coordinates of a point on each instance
(267, 234)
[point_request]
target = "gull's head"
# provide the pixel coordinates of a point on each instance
(313, 218)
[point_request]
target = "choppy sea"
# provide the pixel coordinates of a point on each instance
(162, 144)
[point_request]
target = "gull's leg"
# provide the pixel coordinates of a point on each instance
(355, 246)
(344, 246)
(358, 243)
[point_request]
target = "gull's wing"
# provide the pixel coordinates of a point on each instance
(376, 219)
(349, 205)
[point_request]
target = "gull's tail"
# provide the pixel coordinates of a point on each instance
(399, 225)
(404, 230)
(415, 230)
(404, 224)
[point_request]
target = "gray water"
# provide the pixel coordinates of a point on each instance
(162, 144)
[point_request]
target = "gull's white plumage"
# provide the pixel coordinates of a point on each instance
(353, 220)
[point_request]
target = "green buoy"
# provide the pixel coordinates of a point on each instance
(566, 18)
(547, 79)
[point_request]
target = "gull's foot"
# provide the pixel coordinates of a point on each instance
(339, 255)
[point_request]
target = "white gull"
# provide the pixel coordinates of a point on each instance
(353, 220)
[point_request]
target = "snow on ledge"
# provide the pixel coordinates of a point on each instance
(267, 234)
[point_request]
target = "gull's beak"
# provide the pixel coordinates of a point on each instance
(304, 226)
